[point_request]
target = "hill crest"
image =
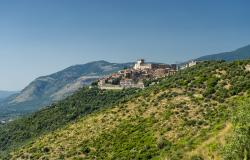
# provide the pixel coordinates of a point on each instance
(238, 54)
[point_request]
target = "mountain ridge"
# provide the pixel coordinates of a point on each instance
(238, 54)
(48, 89)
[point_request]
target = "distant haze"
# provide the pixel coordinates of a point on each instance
(5, 94)
(43, 36)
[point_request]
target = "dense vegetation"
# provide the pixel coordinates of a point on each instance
(57, 115)
(238, 146)
(185, 116)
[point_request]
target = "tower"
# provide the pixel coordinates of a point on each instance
(139, 63)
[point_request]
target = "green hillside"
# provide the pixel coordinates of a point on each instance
(57, 115)
(200, 113)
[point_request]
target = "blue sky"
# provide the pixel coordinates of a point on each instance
(39, 37)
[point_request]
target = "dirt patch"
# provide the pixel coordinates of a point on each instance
(247, 67)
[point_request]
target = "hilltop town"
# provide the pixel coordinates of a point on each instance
(136, 76)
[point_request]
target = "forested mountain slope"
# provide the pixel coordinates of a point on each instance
(185, 116)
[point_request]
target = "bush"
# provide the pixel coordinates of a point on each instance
(163, 143)
(196, 157)
(85, 150)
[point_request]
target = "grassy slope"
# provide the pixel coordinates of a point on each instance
(175, 119)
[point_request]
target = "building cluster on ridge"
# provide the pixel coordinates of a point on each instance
(135, 77)
(141, 71)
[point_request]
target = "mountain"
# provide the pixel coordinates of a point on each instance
(201, 112)
(5, 94)
(48, 89)
(239, 54)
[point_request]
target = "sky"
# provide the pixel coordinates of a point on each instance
(40, 37)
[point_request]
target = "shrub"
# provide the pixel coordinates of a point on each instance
(163, 143)
(196, 157)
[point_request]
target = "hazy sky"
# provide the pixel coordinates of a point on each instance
(39, 37)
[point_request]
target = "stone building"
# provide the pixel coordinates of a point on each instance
(130, 83)
(189, 64)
